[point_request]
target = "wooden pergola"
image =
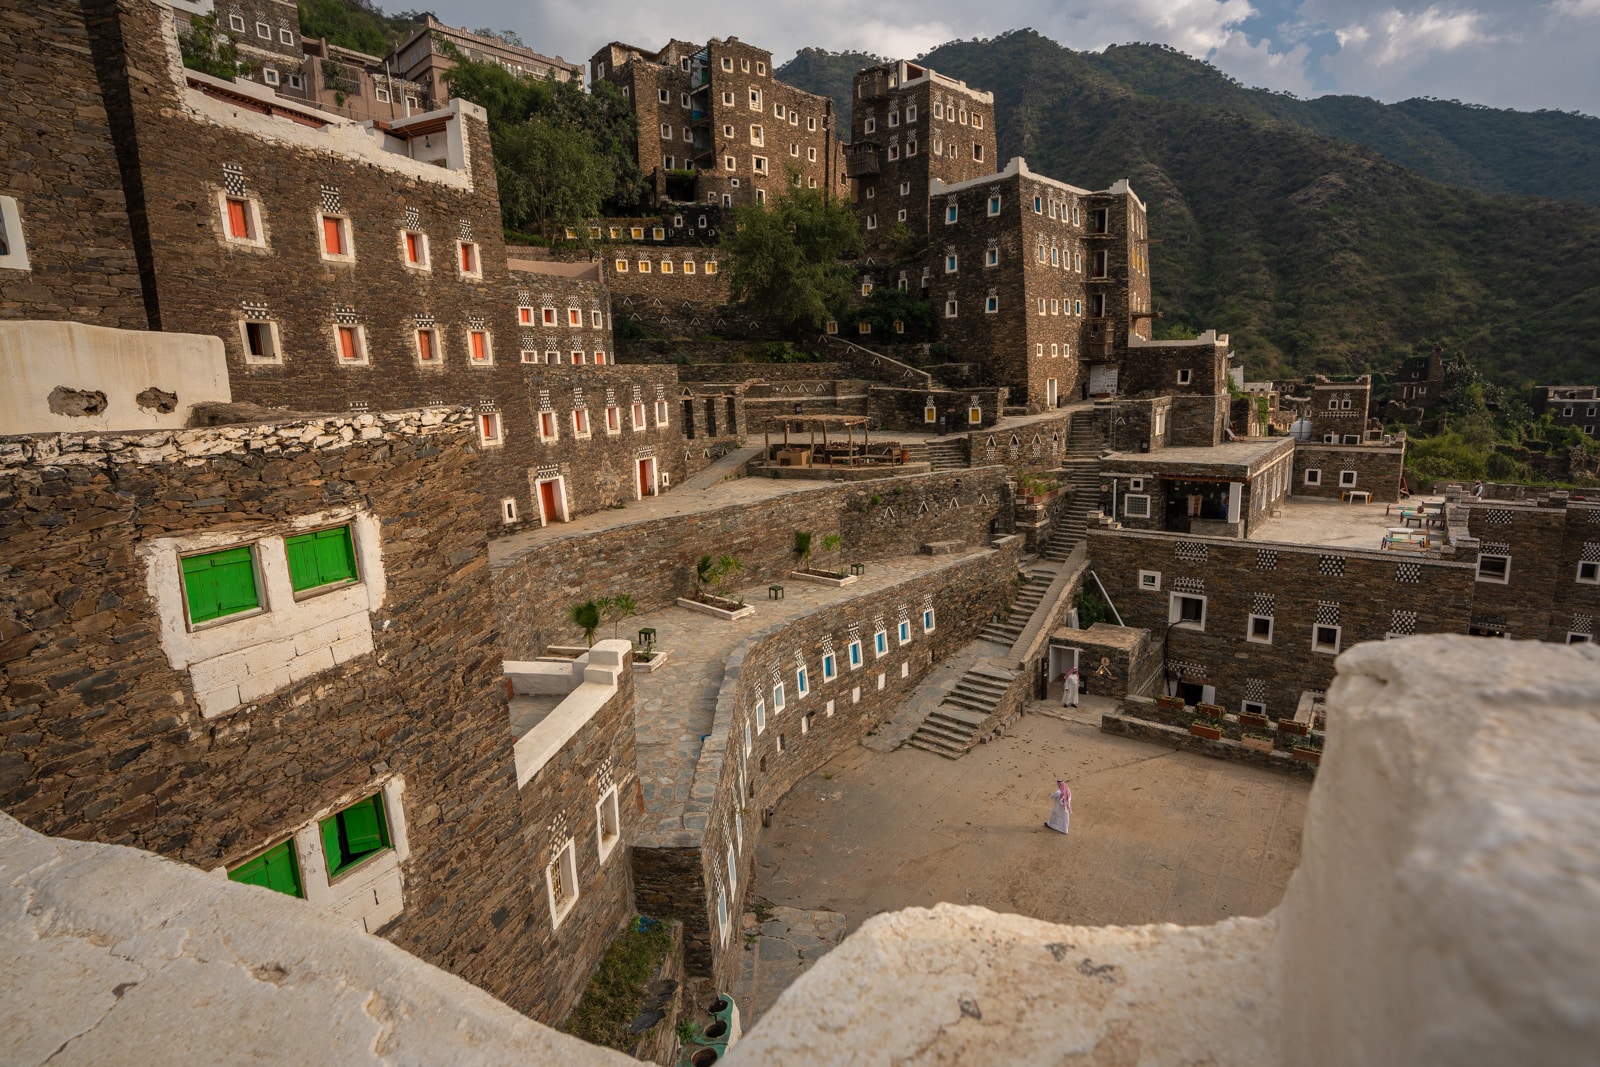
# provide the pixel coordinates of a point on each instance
(814, 423)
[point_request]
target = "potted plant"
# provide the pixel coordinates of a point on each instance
(712, 580)
(1211, 711)
(1249, 720)
(1257, 742)
(1206, 727)
(1170, 703)
(1290, 726)
(803, 541)
(1308, 749)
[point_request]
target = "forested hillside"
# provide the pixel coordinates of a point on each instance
(1315, 254)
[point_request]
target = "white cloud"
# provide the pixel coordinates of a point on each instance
(1258, 66)
(1396, 36)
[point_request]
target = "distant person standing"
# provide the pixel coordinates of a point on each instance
(1477, 489)
(1061, 815)
(1069, 688)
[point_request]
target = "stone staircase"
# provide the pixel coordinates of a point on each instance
(948, 454)
(952, 728)
(1006, 631)
(1082, 465)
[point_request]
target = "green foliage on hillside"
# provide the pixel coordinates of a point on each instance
(561, 156)
(1316, 255)
(830, 74)
(358, 24)
(208, 50)
(790, 257)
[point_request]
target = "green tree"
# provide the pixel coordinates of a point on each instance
(789, 257)
(549, 177)
(207, 49)
(586, 617)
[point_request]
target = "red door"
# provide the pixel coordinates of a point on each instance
(644, 477)
(547, 501)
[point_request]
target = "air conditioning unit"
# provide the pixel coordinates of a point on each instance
(1330, 438)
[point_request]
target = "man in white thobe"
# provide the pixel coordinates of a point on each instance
(1061, 815)
(1069, 688)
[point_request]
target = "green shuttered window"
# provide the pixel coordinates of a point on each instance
(220, 583)
(354, 834)
(323, 558)
(274, 868)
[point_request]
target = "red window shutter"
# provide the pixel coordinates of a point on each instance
(478, 352)
(413, 248)
(332, 237)
(347, 343)
(424, 345)
(466, 259)
(526, 316)
(238, 219)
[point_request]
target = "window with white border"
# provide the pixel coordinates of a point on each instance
(241, 221)
(928, 621)
(414, 254)
(1494, 568)
(608, 822)
(1575, 638)
(1347, 479)
(1589, 572)
(1136, 507)
(261, 343)
(508, 509)
(1325, 639)
(1252, 707)
(336, 243)
(561, 883)
(903, 632)
(350, 344)
(854, 654)
(489, 433)
(1313, 476)
(779, 702)
(1187, 611)
(1150, 581)
(1258, 629)
(469, 267)
(880, 643)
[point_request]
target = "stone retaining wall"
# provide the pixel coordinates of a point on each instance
(654, 560)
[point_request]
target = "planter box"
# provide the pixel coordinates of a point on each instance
(1307, 755)
(1289, 726)
(1210, 733)
(1214, 711)
(1255, 722)
(1170, 703)
(729, 612)
(1257, 744)
(824, 577)
(652, 664)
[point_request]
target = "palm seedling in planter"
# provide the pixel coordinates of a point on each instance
(616, 608)
(586, 617)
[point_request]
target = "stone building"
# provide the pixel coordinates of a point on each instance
(271, 651)
(1577, 406)
(1537, 567)
(430, 53)
(715, 126)
(911, 126)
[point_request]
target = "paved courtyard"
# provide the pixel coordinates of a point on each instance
(1157, 835)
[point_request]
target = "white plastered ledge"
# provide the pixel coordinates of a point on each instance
(589, 681)
(1446, 909)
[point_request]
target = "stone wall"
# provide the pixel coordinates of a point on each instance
(906, 409)
(106, 738)
(1547, 594)
(654, 560)
(62, 169)
(734, 782)
(1377, 469)
(1366, 594)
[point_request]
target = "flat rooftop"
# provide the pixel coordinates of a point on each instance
(1332, 523)
(1244, 453)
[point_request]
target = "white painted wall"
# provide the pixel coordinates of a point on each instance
(37, 356)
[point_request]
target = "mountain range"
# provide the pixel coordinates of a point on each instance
(1332, 235)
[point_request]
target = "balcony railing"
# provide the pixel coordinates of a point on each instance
(861, 160)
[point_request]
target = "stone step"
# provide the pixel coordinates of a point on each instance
(943, 734)
(966, 718)
(971, 704)
(978, 690)
(985, 681)
(938, 750)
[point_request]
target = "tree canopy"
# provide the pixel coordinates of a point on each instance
(789, 257)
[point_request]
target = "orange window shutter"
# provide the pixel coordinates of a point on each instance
(526, 315)
(477, 346)
(347, 342)
(413, 248)
(238, 219)
(425, 345)
(332, 241)
(466, 258)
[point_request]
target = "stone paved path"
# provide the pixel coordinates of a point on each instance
(675, 705)
(779, 944)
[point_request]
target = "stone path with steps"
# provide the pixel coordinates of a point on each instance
(779, 945)
(1082, 464)
(1006, 631)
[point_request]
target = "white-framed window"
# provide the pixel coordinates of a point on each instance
(758, 164)
(951, 213)
(1252, 707)
(911, 112)
(1150, 581)
(270, 76)
(903, 632)
(508, 509)
(1258, 629)
(608, 823)
(414, 253)
(951, 308)
(991, 305)
(490, 434)
(1347, 479)
(811, 155)
(991, 257)
(723, 926)
(379, 91)
(666, 132)
(1187, 610)
(480, 348)
(952, 263)
(1494, 568)
(429, 351)
(236, 23)
(561, 882)
(260, 340)
(853, 654)
(730, 163)
(580, 422)
(929, 621)
(1589, 572)
(994, 205)
(336, 243)
(468, 263)
(1185, 376)
(880, 643)
(549, 428)
(870, 126)
(779, 700)
(350, 343)
(1313, 476)
(758, 137)
(761, 717)
(755, 99)
(1135, 506)
(870, 192)
(872, 222)
(297, 82)
(1325, 639)
(830, 667)
(264, 31)
(977, 151)
(1575, 638)
(285, 36)
(802, 682)
(727, 64)
(662, 413)
(637, 414)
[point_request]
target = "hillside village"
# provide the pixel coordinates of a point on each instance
(486, 596)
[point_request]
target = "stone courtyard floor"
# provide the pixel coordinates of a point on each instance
(1157, 836)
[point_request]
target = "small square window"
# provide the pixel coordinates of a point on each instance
(321, 560)
(350, 343)
(470, 265)
(355, 835)
(1259, 629)
(236, 23)
(1150, 581)
(1313, 476)
(263, 31)
(1252, 707)
(269, 75)
(1494, 569)
(336, 238)
(286, 36)
(428, 347)
(489, 428)
(1589, 572)
(260, 341)
(1185, 376)
(1347, 478)
(1325, 639)
(1188, 611)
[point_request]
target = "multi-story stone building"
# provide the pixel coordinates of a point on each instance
(431, 52)
(715, 126)
(912, 126)
(1577, 406)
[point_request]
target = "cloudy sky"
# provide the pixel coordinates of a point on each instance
(1503, 53)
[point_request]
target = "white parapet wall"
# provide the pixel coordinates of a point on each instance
(1446, 910)
(65, 377)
